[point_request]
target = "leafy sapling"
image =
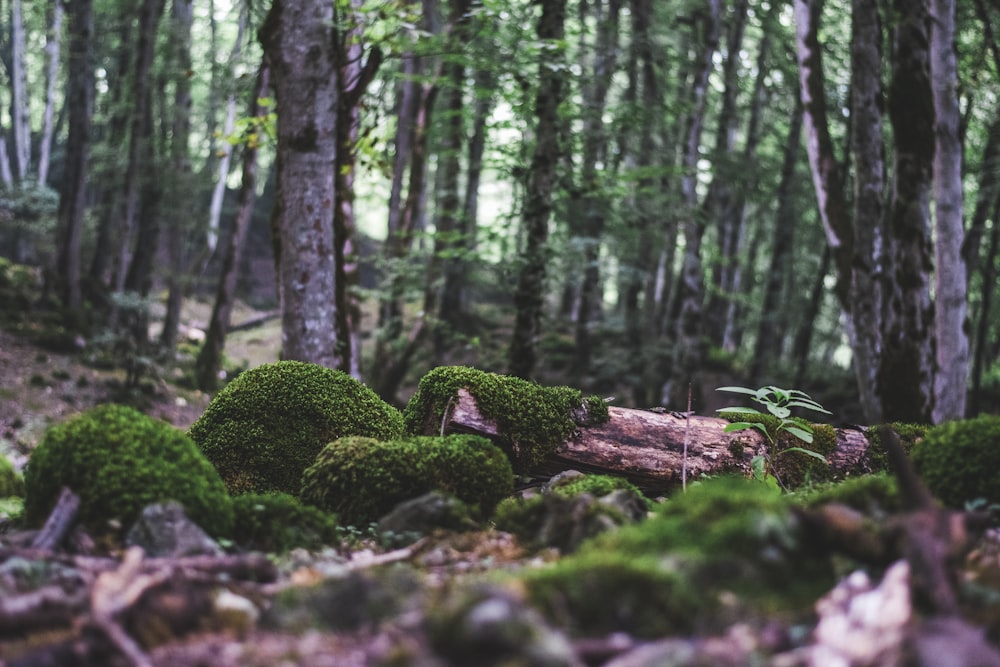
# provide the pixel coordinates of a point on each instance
(779, 403)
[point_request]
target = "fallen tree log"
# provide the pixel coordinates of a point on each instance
(648, 447)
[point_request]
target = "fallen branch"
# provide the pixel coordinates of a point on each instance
(60, 522)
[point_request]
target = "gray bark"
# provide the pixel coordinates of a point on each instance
(298, 38)
(950, 285)
(19, 111)
(53, 42)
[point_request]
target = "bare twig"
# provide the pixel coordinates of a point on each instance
(59, 523)
(687, 438)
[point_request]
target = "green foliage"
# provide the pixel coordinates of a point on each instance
(665, 574)
(124, 346)
(875, 495)
(277, 522)
(11, 481)
(118, 461)
(908, 434)
(361, 479)
(595, 485)
(960, 460)
(532, 419)
(775, 423)
(267, 425)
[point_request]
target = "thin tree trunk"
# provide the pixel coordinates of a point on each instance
(53, 43)
(951, 342)
(803, 335)
(768, 345)
(299, 40)
(691, 286)
(867, 101)
(982, 327)
(222, 173)
(73, 193)
(20, 115)
(209, 360)
(905, 376)
(354, 76)
(529, 294)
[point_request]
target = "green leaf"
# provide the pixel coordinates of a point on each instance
(737, 426)
(801, 450)
(800, 433)
(741, 410)
(778, 411)
(757, 464)
(809, 405)
(739, 390)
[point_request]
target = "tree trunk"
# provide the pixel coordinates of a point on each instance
(299, 40)
(691, 286)
(20, 116)
(905, 375)
(951, 342)
(53, 42)
(982, 328)
(209, 360)
(529, 294)
(354, 75)
(647, 447)
(181, 213)
(73, 193)
(867, 101)
(768, 345)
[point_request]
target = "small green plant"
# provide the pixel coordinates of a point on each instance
(777, 420)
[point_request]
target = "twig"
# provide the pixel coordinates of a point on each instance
(687, 438)
(59, 523)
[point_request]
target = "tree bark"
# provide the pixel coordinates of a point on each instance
(951, 342)
(647, 447)
(299, 40)
(53, 42)
(73, 193)
(209, 360)
(19, 112)
(528, 296)
(905, 375)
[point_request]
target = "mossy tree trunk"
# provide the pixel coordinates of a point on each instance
(648, 448)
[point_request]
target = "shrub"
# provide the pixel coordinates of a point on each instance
(960, 460)
(532, 419)
(361, 479)
(267, 425)
(119, 460)
(11, 481)
(277, 522)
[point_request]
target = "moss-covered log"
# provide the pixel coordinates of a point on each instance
(647, 447)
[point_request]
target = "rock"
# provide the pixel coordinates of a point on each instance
(951, 642)
(484, 626)
(735, 649)
(413, 519)
(164, 530)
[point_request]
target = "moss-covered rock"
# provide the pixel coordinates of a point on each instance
(361, 479)
(11, 481)
(595, 485)
(277, 522)
(909, 435)
(118, 461)
(960, 460)
(675, 570)
(875, 495)
(532, 419)
(267, 425)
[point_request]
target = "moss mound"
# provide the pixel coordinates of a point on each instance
(532, 419)
(876, 494)
(361, 479)
(671, 572)
(277, 522)
(596, 485)
(11, 481)
(909, 435)
(267, 425)
(960, 460)
(119, 460)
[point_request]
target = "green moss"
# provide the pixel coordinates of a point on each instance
(11, 481)
(267, 425)
(960, 461)
(119, 460)
(723, 535)
(908, 433)
(532, 419)
(875, 494)
(361, 479)
(277, 522)
(597, 593)
(596, 485)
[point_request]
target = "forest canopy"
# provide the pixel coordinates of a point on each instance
(635, 198)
